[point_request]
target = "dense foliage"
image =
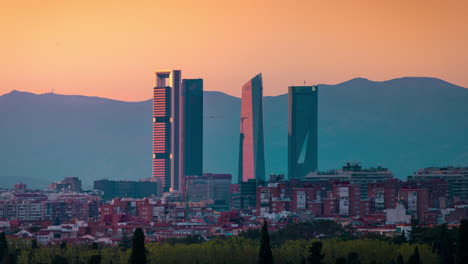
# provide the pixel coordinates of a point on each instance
(432, 246)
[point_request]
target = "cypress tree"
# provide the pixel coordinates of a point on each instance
(138, 255)
(443, 244)
(462, 245)
(315, 253)
(265, 256)
(3, 247)
(415, 258)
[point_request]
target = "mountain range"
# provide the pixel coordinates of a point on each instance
(403, 124)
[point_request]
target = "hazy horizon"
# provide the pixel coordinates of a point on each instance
(58, 92)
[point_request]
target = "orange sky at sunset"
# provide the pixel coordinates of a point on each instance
(111, 48)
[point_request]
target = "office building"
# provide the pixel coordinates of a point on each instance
(243, 195)
(193, 126)
(177, 129)
(210, 188)
(165, 91)
(251, 145)
(302, 131)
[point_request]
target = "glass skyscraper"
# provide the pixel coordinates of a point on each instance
(193, 126)
(302, 131)
(251, 145)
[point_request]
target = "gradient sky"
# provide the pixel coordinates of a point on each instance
(111, 48)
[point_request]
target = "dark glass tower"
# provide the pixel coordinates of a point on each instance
(302, 131)
(193, 126)
(251, 146)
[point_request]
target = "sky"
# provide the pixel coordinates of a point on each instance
(112, 48)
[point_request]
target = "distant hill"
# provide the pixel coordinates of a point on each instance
(403, 124)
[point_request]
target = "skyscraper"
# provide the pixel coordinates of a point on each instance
(302, 131)
(177, 128)
(165, 127)
(193, 126)
(251, 147)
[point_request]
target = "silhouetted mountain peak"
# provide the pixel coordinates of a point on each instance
(17, 93)
(356, 81)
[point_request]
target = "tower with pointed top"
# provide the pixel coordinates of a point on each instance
(251, 145)
(302, 131)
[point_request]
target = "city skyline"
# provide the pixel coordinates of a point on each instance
(73, 48)
(243, 162)
(338, 130)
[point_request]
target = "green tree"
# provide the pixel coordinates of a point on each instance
(34, 244)
(462, 244)
(340, 260)
(400, 260)
(59, 260)
(3, 248)
(265, 256)
(63, 245)
(315, 253)
(400, 239)
(138, 255)
(302, 260)
(443, 244)
(415, 258)
(125, 243)
(95, 259)
(12, 258)
(95, 246)
(417, 232)
(353, 258)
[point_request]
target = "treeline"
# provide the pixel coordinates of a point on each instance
(258, 247)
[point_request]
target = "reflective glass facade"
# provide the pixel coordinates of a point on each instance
(302, 131)
(251, 145)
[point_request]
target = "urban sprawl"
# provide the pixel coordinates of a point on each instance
(180, 199)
